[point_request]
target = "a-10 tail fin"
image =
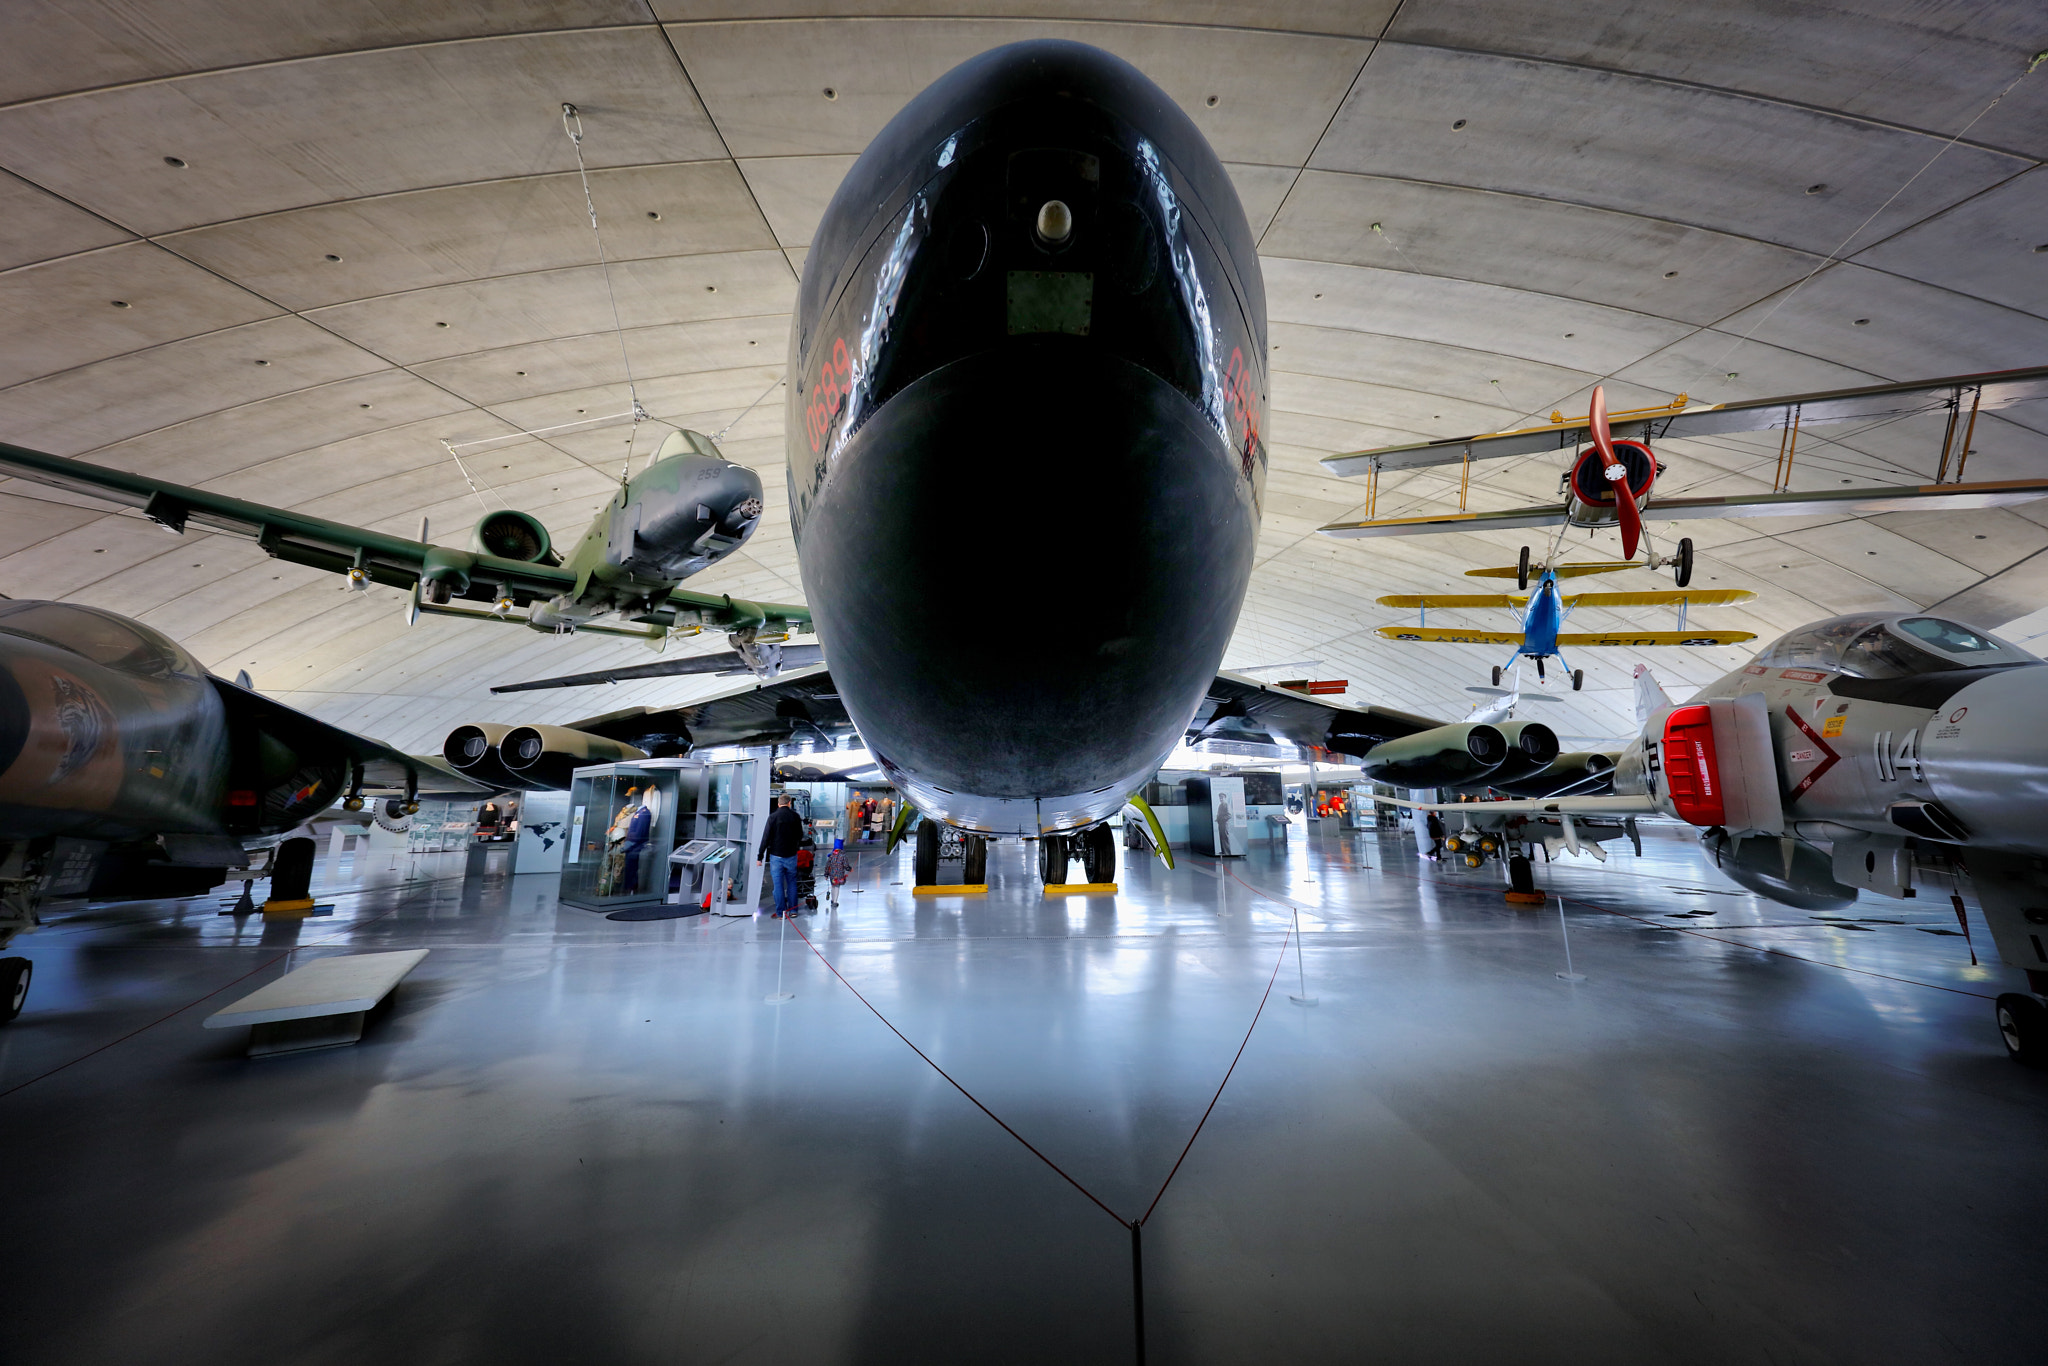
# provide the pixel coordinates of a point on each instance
(1650, 697)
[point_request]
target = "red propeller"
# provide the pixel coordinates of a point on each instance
(1617, 474)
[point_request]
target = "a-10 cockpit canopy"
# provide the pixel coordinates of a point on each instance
(1890, 645)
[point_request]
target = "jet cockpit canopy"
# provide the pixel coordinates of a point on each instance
(101, 637)
(1890, 645)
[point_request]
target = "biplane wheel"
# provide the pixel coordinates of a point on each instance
(1682, 575)
(1522, 569)
(1540, 675)
(1578, 679)
(1496, 675)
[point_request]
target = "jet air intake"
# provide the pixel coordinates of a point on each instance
(518, 536)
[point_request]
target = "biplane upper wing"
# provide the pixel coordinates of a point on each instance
(1992, 493)
(1985, 392)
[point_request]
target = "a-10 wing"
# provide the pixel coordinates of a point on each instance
(338, 547)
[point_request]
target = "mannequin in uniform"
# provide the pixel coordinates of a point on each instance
(638, 825)
(615, 845)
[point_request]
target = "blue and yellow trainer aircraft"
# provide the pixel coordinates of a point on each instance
(1542, 611)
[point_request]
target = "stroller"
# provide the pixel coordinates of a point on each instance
(807, 875)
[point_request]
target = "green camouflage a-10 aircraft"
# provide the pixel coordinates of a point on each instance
(686, 511)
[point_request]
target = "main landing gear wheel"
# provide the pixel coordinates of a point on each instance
(925, 862)
(1496, 675)
(1682, 574)
(1522, 569)
(2024, 1025)
(977, 861)
(1578, 679)
(14, 979)
(1098, 854)
(1052, 859)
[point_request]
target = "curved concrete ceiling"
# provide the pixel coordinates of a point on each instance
(284, 250)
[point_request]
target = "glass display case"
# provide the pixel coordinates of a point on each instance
(626, 820)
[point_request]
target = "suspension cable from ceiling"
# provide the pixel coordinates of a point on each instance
(720, 434)
(572, 124)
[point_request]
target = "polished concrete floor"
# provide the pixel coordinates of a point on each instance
(1747, 1135)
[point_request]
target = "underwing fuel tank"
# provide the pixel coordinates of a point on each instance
(1788, 871)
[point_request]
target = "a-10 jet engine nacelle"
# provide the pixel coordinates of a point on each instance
(1462, 754)
(515, 758)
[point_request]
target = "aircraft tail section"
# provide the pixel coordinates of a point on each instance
(1650, 696)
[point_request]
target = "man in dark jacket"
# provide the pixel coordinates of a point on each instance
(780, 839)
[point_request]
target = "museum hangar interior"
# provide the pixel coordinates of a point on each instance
(1021, 817)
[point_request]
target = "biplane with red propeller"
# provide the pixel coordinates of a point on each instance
(1613, 476)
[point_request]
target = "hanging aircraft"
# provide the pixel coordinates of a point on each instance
(689, 509)
(1884, 753)
(128, 771)
(1612, 477)
(1542, 611)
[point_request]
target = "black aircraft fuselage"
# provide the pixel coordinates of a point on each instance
(1028, 386)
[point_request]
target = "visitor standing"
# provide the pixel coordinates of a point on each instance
(780, 839)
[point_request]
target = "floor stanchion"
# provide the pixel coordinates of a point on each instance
(1301, 973)
(1567, 975)
(779, 995)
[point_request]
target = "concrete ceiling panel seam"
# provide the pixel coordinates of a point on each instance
(1733, 92)
(134, 44)
(725, 144)
(342, 128)
(1794, 176)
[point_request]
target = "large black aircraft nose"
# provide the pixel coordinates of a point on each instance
(1024, 569)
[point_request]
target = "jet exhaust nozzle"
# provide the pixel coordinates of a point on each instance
(1445, 756)
(546, 756)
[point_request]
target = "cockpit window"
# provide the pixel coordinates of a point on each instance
(1818, 646)
(1872, 646)
(101, 637)
(1946, 635)
(1877, 653)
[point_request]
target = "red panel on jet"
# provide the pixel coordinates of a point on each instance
(1691, 770)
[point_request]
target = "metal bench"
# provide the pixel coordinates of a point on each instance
(320, 1005)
